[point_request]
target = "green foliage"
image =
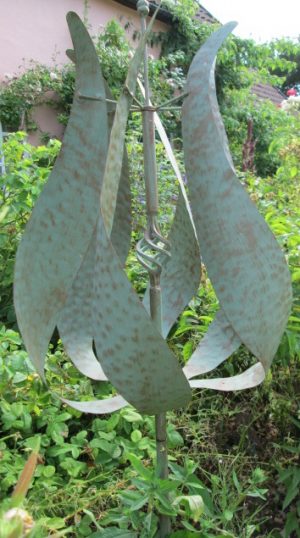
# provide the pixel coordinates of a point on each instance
(27, 169)
(287, 53)
(19, 95)
(114, 55)
(289, 477)
(286, 146)
(219, 482)
(158, 496)
(237, 109)
(84, 484)
(274, 61)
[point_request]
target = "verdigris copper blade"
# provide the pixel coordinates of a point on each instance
(220, 341)
(116, 145)
(64, 217)
(122, 225)
(121, 231)
(75, 325)
(128, 342)
(250, 378)
(216, 346)
(98, 407)
(243, 259)
(181, 272)
(122, 221)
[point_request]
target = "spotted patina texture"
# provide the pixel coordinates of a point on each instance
(76, 318)
(243, 259)
(70, 263)
(115, 151)
(75, 323)
(216, 346)
(180, 275)
(64, 217)
(134, 356)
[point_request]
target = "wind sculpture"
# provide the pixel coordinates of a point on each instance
(69, 266)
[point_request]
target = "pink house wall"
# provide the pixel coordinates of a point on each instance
(37, 29)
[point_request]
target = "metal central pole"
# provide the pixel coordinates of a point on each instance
(152, 239)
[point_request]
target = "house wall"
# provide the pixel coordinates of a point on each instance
(37, 29)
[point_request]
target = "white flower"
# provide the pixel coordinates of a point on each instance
(20, 514)
(292, 104)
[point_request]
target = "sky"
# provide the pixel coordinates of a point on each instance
(261, 20)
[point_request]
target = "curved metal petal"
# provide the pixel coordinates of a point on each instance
(216, 346)
(76, 318)
(181, 272)
(133, 354)
(64, 217)
(116, 145)
(121, 230)
(122, 221)
(252, 377)
(244, 261)
(98, 407)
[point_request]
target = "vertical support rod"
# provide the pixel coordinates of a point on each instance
(149, 144)
(152, 230)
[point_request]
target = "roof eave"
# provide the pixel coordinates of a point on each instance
(163, 15)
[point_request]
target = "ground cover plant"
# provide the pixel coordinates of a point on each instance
(239, 452)
(231, 457)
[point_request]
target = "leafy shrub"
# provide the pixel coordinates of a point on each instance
(19, 95)
(27, 169)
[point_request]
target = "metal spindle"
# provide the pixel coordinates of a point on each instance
(150, 250)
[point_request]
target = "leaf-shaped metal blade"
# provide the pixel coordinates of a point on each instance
(115, 151)
(243, 259)
(62, 222)
(252, 377)
(98, 407)
(181, 272)
(133, 354)
(216, 346)
(75, 325)
(122, 223)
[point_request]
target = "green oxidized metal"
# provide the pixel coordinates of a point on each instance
(69, 268)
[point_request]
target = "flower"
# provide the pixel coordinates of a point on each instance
(291, 91)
